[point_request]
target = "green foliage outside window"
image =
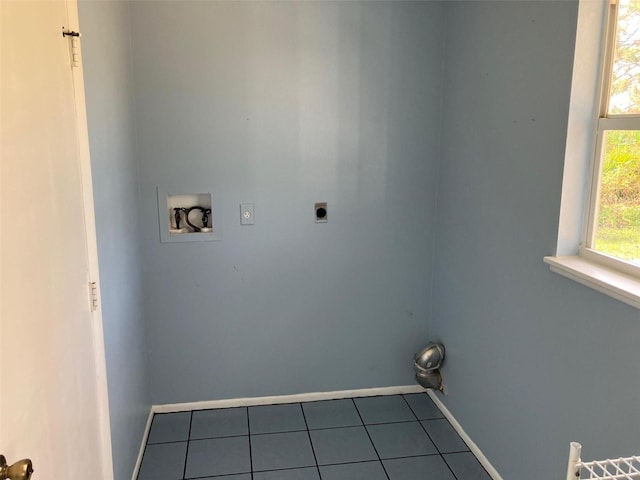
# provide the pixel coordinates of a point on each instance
(618, 231)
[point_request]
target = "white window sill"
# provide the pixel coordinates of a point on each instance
(607, 280)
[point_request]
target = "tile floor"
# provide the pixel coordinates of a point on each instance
(396, 437)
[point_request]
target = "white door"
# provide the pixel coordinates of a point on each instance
(52, 376)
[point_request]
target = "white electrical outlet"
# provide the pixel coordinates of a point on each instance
(247, 213)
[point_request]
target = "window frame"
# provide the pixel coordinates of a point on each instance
(605, 121)
(581, 176)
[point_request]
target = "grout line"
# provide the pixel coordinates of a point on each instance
(422, 426)
(276, 433)
(381, 459)
(465, 451)
(241, 435)
(297, 431)
(362, 424)
(213, 438)
(223, 476)
(333, 428)
(186, 456)
(168, 443)
(374, 446)
(456, 451)
(313, 450)
(425, 431)
(484, 461)
(249, 436)
(277, 470)
(449, 466)
(331, 465)
(416, 415)
(411, 409)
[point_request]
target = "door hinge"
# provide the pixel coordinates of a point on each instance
(93, 293)
(75, 45)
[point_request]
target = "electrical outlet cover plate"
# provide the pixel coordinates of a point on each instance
(247, 214)
(321, 213)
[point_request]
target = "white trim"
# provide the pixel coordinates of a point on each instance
(627, 122)
(603, 89)
(493, 473)
(593, 193)
(295, 398)
(623, 266)
(592, 210)
(602, 278)
(608, 46)
(145, 437)
(582, 125)
(102, 391)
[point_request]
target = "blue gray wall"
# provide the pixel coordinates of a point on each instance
(534, 360)
(106, 51)
(287, 104)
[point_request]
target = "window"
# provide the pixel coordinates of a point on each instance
(613, 228)
(599, 231)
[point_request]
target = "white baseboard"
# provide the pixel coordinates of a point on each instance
(493, 473)
(145, 437)
(295, 398)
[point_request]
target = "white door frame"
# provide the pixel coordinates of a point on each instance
(92, 248)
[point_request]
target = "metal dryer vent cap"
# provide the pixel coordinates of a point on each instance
(430, 358)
